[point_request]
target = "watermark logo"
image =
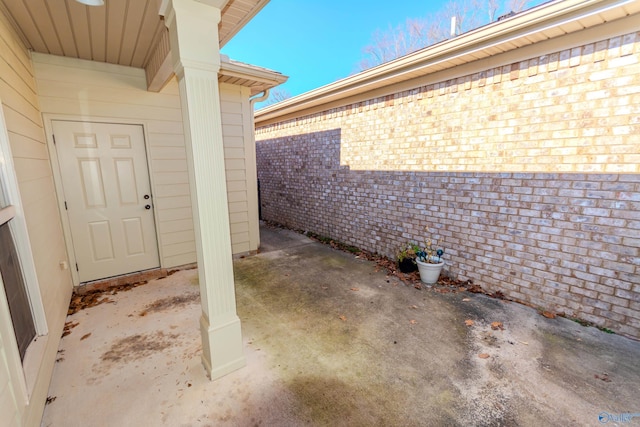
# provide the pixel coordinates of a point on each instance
(625, 417)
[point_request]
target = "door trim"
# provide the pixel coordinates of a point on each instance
(57, 178)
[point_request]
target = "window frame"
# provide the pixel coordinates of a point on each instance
(13, 213)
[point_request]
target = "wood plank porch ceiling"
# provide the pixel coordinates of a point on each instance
(123, 32)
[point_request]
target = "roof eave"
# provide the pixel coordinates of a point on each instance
(256, 78)
(228, 34)
(225, 38)
(464, 48)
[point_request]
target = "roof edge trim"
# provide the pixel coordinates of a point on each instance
(464, 46)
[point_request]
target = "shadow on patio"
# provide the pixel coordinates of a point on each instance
(331, 341)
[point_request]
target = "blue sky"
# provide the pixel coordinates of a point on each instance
(316, 42)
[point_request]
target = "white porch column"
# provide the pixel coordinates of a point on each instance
(193, 27)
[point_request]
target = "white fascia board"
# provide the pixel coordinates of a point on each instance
(463, 48)
(251, 73)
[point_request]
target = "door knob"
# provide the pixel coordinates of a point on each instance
(146, 197)
(147, 207)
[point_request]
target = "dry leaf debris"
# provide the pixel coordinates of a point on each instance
(444, 284)
(68, 326)
(497, 326)
(82, 300)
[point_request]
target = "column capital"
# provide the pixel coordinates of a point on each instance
(219, 4)
(180, 66)
(193, 34)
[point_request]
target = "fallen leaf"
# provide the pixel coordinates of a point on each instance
(466, 299)
(604, 377)
(325, 287)
(67, 328)
(413, 322)
(497, 325)
(85, 336)
(355, 289)
(343, 317)
(483, 356)
(549, 315)
(497, 294)
(474, 289)
(91, 298)
(468, 322)
(523, 342)
(413, 306)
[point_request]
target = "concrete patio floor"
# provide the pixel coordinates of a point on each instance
(329, 340)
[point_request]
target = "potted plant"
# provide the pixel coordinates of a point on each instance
(407, 258)
(430, 263)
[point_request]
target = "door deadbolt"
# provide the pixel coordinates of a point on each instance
(147, 207)
(146, 197)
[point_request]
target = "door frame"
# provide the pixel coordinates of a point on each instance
(57, 178)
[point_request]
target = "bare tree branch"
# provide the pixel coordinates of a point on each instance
(517, 5)
(417, 33)
(277, 95)
(492, 9)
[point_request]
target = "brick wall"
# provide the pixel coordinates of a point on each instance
(528, 174)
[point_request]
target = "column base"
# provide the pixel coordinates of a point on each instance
(221, 347)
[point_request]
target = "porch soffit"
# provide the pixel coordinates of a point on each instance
(257, 79)
(123, 32)
(545, 22)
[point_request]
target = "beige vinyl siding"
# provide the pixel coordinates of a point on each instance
(239, 153)
(30, 156)
(85, 90)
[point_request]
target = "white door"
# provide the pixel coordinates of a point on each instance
(107, 196)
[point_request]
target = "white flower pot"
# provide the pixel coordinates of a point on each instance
(429, 273)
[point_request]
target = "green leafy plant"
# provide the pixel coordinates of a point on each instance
(407, 258)
(408, 252)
